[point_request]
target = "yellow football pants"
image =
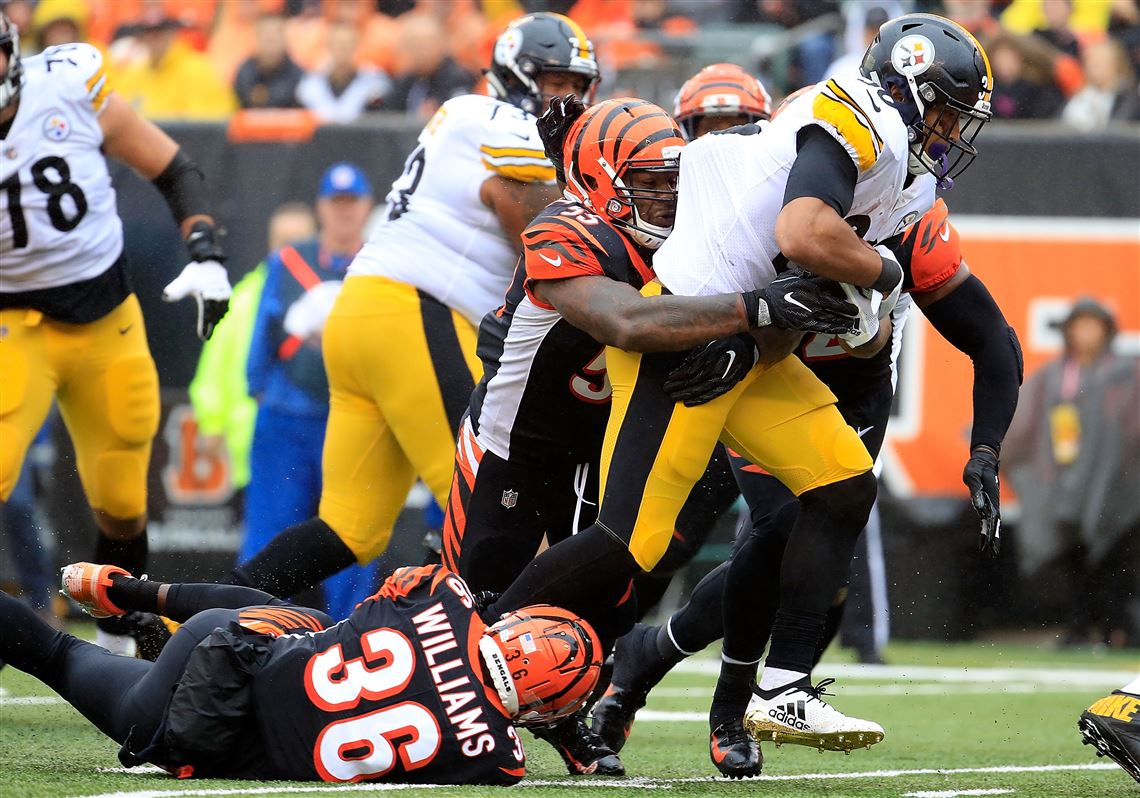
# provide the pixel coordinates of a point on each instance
(104, 379)
(401, 368)
(781, 417)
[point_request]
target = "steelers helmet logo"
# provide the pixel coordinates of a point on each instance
(912, 55)
(508, 45)
(56, 126)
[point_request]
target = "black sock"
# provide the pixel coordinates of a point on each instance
(831, 627)
(583, 574)
(185, 600)
(698, 624)
(795, 638)
(733, 689)
(132, 594)
(129, 554)
(296, 559)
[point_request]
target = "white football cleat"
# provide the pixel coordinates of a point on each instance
(798, 715)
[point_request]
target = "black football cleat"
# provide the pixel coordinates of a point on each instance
(614, 713)
(1112, 727)
(734, 752)
(583, 751)
(637, 669)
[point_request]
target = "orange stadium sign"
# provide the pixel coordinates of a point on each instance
(1035, 268)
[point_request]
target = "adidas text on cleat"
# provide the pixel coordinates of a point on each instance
(583, 751)
(1112, 727)
(613, 716)
(86, 584)
(797, 714)
(734, 752)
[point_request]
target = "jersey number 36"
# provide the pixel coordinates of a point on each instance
(367, 746)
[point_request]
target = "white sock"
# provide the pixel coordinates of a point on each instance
(1132, 688)
(773, 678)
(124, 645)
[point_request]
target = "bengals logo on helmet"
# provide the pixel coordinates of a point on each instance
(544, 662)
(721, 90)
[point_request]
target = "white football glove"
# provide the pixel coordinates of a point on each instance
(307, 315)
(209, 284)
(867, 302)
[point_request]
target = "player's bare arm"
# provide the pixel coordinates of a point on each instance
(140, 144)
(515, 204)
(616, 314)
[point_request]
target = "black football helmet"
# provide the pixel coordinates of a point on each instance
(13, 77)
(537, 43)
(934, 63)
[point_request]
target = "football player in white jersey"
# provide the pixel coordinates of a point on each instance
(70, 327)
(816, 189)
(399, 344)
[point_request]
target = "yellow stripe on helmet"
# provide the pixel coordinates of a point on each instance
(580, 35)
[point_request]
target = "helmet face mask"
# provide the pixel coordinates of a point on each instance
(532, 46)
(13, 76)
(944, 79)
(602, 153)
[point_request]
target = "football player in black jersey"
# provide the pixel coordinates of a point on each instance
(412, 687)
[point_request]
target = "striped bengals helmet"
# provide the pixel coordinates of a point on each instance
(605, 144)
(720, 90)
(544, 662)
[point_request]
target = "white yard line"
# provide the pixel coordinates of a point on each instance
(955, 793)
(640, 783)
(29, 700)
(931, 673)
(910, 688)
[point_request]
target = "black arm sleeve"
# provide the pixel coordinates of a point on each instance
(183, 186)
(969, 319)
(823, 169)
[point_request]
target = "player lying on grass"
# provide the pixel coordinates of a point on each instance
(412, 687)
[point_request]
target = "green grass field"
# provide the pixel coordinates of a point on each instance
(971, 719)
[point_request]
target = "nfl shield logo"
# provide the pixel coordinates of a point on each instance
(510, 498)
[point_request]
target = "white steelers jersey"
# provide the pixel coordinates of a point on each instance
(732, 188)
(439, 236)
(58, 220)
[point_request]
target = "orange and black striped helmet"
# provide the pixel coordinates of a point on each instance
(720, 90)
(544, 662)
(605, 144)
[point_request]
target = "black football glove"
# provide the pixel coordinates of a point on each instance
(795, 301)
(553, 127)
(981, 477)
(712, 370)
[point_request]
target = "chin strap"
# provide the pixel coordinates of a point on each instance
(500, 674)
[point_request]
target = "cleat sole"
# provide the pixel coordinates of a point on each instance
(766, 731)
(1105, 743)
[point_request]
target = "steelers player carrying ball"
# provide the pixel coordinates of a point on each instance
(70, 327)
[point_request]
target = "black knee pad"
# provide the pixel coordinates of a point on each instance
(849, 501)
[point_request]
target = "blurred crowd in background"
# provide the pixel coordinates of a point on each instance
(1076, 60)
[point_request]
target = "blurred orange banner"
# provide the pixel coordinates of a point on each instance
(1035, 268)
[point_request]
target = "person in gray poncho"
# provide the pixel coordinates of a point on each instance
(1073, 457)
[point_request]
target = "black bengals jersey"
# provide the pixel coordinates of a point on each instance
(395, 692)
(544, 392)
